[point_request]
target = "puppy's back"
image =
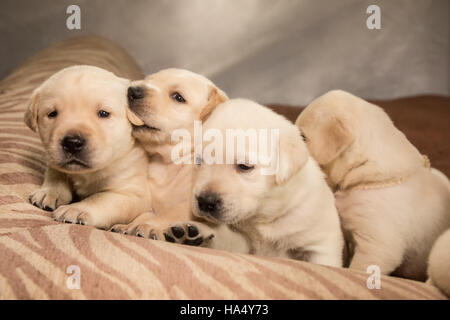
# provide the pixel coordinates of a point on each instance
(439, 263)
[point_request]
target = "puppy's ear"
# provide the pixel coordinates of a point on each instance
(133, 118)
(216, 97)
(292, 156)
(31, 114)
(331, 138)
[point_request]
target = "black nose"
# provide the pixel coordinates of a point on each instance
(135, 93)
(209, 203)
(73, 144)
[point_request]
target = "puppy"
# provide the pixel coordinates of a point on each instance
(80, 114)
(391, 203)
(160, 105)
(283, 207)
(439, 264)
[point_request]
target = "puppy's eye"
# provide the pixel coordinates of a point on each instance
(103, 114)
(304, 137)
(53, 114)
(244, 168)
(178, 97)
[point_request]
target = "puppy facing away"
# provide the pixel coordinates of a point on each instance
(159, 105)
(80, 115)
(439, 264)
(391, 203)
(286, 210)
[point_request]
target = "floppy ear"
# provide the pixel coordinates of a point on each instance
(31, 114)
(292, 156)
(331, 138)
(216, 97)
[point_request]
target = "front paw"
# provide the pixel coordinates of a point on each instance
(143, 230)
(73, 214)
(50, 198)
(148, 231)
(121, 228)
(188, 233)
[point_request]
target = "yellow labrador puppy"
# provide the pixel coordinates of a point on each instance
(390, 201)
(159, 105)
(269, 190)
(439, 264)
(80, 114)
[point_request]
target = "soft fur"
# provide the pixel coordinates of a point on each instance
(439, 264)
(155, 115)
(287, 214)
(109, 174)
(391, 203)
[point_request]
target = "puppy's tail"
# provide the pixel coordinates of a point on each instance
(439, 264)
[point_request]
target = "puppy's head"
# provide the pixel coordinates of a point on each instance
(345, 133)
(234, 178)
(168, 100)
(80, 114)
(328, 126)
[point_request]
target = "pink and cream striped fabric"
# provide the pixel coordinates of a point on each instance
(36, 252)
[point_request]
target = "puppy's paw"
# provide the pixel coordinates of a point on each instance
(148, 231)
(74, 214)
(143, 230)
(120, 228)
(188, 233)
(50, 198)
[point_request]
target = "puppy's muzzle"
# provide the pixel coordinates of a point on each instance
(73, 144)
(209, 204)
(135, 93)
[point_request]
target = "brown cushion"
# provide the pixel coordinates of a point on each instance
(425, 120)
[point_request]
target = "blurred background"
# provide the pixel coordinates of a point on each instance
(272, 51)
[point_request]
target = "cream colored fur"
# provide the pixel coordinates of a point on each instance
(287, 214)
(392, 204)
(171, 183)
(111, 181)
(439, 264)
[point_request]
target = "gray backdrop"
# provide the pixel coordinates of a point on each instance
(285, 51)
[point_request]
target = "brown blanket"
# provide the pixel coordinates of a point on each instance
(39, 258)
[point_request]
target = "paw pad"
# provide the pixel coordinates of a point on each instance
(186, 233)
(168, 238)
(195, 242)
(177, 232)
(192, 231)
